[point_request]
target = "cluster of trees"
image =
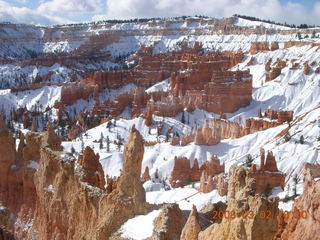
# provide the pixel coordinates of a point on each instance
(273, 22)
(313, 35)
(133, 20)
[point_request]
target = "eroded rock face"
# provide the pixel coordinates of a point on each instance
(8, 173)
(128, 199)
(192, 227)
(50, 138)
(209, 183)
(307, 227)
(241, 198)
(93, 172)
(61, 201)
(183, 173)
(169, 223)
(257, 47)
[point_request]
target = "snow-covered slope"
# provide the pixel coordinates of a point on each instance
(292, 90)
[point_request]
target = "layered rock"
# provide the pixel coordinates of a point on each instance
(257, 47)
(267, 173)
(280, 116)
(216, 94)
(216, 130)
(242, 200)
(183, 173)
(73, 92)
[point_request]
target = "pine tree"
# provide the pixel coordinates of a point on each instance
(249, 160)
(183, 118)
(299, 36)
(295, 182)
(72, 150)
(100, 145)
(287, 137)
(301, 139)
(108, 144)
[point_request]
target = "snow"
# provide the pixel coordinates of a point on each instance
(33, 164)
(247, 23)
(51, 189)
(178, 195)
(139, 227)
(161, 86)
(292, 90)
(42, 98)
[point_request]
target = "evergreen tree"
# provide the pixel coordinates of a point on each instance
(299, 35)
(295, 182)
(72, 150)
(167, 135)
(108, 144)
(249, 160)
(100, 145)
(287, 137)
(301, 139)
(183, 118)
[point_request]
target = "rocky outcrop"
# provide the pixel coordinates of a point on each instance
(52, 197)
(6, 224)
(192, 227)
(215, 97)
(275, 72)
(74, 132)
(50, 138)
(242, 200)
(257, 47)
(8, 174)
(306, 69)
(183, 173)
(280, 116)
(146, 174)
(169, 223)
(93, 172)
(214, 131)
(304, 220)
(209, 183)
(268, 173)
(75, 91)
(128, 199)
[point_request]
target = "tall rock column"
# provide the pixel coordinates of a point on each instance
(7, 160)
(129, 198)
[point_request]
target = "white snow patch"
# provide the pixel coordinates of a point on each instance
(139, 227)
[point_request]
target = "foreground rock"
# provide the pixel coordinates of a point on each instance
(51, 197)
(248, 223)
(192, 227)
(304, 220)
(169, 223)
